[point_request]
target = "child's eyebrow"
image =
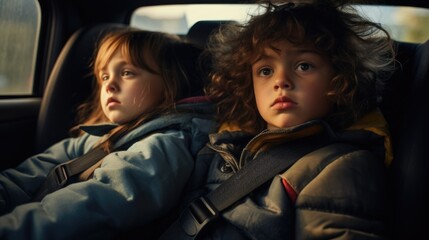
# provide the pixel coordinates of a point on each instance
(299, 48)
(260, 57)
(294, 51)
(303, 50)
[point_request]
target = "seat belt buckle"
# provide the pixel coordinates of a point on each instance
(61, 174)
(198, 214)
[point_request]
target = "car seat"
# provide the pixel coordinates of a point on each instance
(406, 109)
(200, 32)
(69, 84)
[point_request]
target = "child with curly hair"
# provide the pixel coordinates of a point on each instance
(297, 74)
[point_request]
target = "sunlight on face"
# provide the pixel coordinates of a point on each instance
(128, 91)
(291, 83)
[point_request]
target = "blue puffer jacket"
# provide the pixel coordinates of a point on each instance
(131, 187)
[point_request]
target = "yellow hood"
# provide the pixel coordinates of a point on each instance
(376, 123)
(373, 122)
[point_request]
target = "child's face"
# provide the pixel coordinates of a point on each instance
(128, 91)
(291, 83)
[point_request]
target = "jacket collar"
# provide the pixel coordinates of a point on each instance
(367, 131)
(376, 123)
(186, 110)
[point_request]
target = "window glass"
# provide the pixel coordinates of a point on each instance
(179, 18)
(403, 23)
(19, 24)
(408, 24)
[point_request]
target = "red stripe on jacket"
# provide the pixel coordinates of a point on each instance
(289, 190)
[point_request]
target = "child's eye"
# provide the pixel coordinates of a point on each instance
(304, 67)
(265, 71)
(127, 73)
(104, 77)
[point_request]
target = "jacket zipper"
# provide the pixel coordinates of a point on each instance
(227, 156)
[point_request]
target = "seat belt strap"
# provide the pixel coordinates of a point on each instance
(204, 210)
(88, 173)
(59, 176)
(84, 165)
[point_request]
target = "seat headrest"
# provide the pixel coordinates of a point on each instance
(199, 32)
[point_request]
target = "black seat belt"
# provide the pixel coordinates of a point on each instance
(60, 175)
(205, 209)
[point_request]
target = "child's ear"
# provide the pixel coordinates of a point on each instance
(332, 96)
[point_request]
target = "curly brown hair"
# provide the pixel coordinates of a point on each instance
(360, 51)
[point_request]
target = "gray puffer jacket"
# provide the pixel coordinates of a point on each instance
(319, 197)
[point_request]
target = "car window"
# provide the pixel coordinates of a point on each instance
(407, 24)
(19, 24)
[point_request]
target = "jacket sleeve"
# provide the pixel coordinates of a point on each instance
(130, 188)
(345, 200)
(17, 185)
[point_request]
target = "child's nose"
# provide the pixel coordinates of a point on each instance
(111, 85)
(283, 82)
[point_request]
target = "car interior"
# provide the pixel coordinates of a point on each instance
(69, 83)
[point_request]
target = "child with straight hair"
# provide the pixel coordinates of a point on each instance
(147, 91)
(300, 75)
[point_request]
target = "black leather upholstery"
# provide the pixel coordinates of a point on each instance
(199, 32)
(406, 107)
